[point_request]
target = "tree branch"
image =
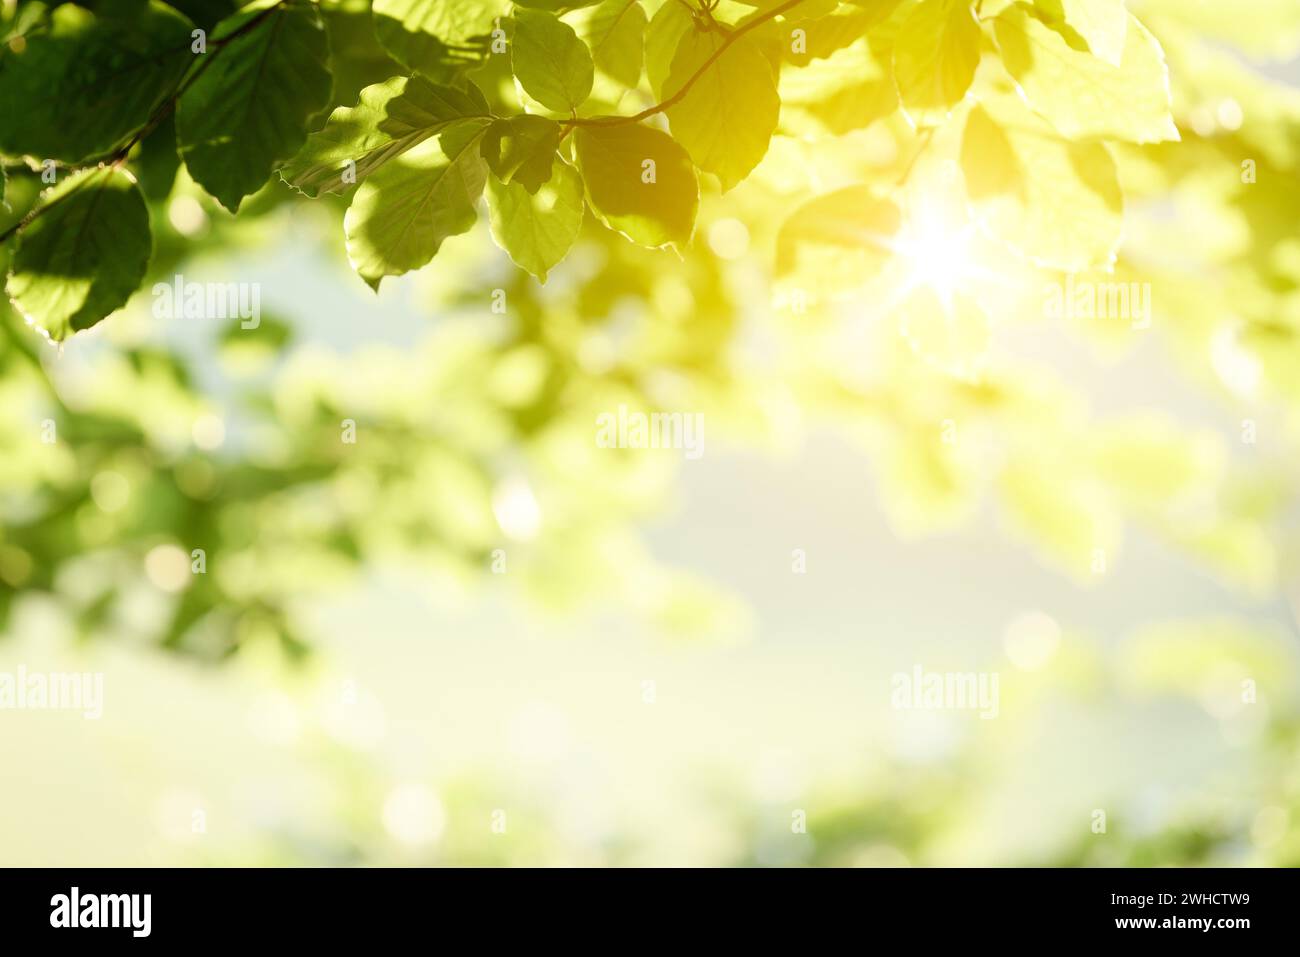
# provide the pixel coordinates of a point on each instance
(677, 97)
(118, 156)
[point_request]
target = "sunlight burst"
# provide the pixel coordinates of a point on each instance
(937, 253)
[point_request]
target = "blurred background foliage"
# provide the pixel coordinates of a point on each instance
(475, 434)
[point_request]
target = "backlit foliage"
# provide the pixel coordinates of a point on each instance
(851, 213)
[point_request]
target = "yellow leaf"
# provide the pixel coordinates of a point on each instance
(1081, 95)
(1103, 23)
(727, 117)
(639, 182)
(1058, 203)
(935, 56)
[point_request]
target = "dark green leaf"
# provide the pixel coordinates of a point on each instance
(84, 256)
(248, 111)
(158, 161)
(81, 87)
(521, 148)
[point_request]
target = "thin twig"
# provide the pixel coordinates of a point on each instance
(677, 97)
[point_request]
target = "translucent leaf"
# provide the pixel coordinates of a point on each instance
(357, 59)
(403, 212)
(848, 90)
(552, 65)
(539, 228)
(1102, 23)
(670, 23)
(727, 117)
(436, 37)
(615, 32)
(935, 56)
(1059, 203)
(1082, 95)
(390, 118)
(821, 36)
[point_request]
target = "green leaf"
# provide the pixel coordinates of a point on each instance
(615, 32)
(402, 213)
(726, 119)
(670, 23)
(537, 229)
(158, 162)
(552, 65)
(639, 182)
(1081, 95)
(82, 86)
(248, 111)
(935, 56)
(436, 37)
(84, 256)
(390, 118)
(1058, 202)
(520, 149)
(357, 60)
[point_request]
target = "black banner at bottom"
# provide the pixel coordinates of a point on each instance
(1221, 907)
